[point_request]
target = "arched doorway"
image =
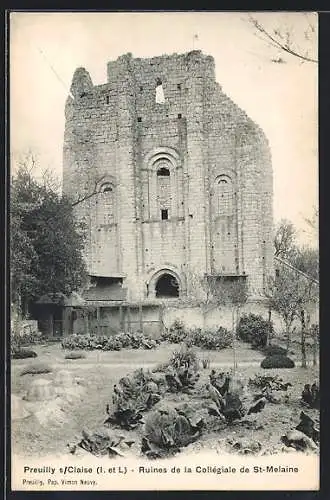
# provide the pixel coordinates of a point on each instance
(167, 286)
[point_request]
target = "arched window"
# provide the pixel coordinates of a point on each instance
(167, 286)
(224, 193)
(106, 204)
(163, 190)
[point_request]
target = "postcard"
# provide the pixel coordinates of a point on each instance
(164, 251)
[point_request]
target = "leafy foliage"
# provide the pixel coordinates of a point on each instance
(18, 340)
(36, 369)
(176, 333)
(19, 353)
(277, 361)
(307, 426)
(186, 356)
(225, 396)
(131, 397)
(167, 430)
(272, 350)
(46, 242)
(113, 343)
(203, 338)
(311, 395)
(101, 443)
(254, 329)
(182, 372)
(269, 382)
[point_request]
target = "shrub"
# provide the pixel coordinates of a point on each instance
(75, 355)
(211, 339)
(273, 350)
(36, 369)
(176, 333)
(19, 353)
(113, 343)
(205, 339)
(254, 329)
(25, 339)
(277, 361)
(185, 356)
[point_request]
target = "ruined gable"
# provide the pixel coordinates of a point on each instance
(184, 175)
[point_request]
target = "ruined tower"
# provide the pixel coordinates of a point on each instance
(183, 177)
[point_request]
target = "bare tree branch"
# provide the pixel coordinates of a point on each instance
(96, 190)
(277, 40)
(284, 238)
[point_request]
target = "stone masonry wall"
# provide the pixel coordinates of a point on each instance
(118, 133)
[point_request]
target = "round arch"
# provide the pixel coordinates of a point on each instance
(165, 283)
(154, 156)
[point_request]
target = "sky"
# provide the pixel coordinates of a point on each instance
(46, 48)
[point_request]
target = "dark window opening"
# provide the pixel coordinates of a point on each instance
(139, 119)
(163, 172)
(277, 273)
(179, 86)
(107, 99)
(167, 286)
(164, 214)
(107, 189)
(141, 88)
(179, 115)
(105, 281)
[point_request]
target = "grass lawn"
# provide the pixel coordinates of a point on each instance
(100, 370)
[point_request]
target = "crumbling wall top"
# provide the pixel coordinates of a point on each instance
(81, 83)
(191, 62)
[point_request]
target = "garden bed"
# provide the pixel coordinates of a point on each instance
(99, 377)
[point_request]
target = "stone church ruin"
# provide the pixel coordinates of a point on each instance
(175, 181)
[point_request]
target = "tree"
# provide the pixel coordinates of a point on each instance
(284, 239)
(46, 242)
(215, 292)
(290, 293)
(299, 41)
(306, 259)
(312, 224)
(313, 221)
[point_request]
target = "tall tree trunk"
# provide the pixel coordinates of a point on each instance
(204, 313)
(288, 338)
(315, 347)
(268, 339)
(303, 339)
(234, 325)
